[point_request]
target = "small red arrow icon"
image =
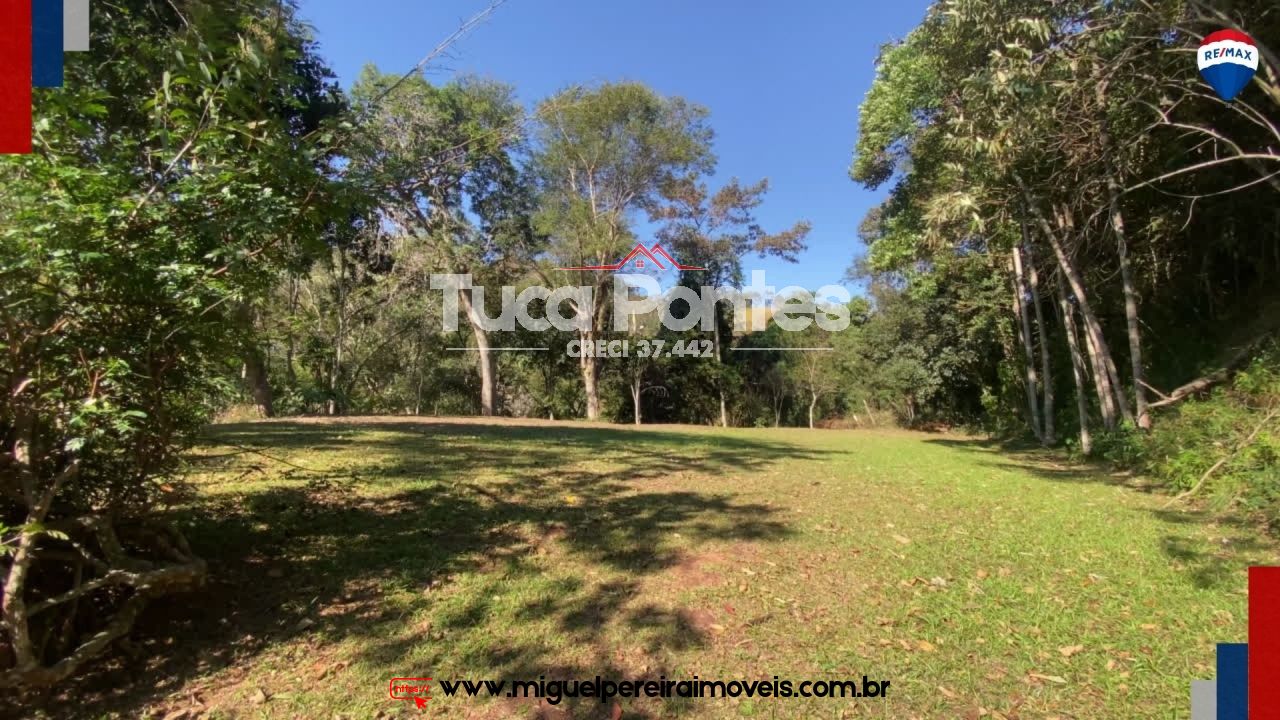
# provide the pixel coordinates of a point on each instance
(420, 702)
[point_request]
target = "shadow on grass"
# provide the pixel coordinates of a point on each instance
(1205, 565)
(354, 553)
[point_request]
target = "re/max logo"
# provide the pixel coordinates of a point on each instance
(1229, 52)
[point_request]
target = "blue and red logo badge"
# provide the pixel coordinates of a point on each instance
(1227, 60)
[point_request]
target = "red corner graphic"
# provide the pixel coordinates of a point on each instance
(417, 689)
(639, 253)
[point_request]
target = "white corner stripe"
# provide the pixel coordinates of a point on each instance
(1227, 51)
(75, 25)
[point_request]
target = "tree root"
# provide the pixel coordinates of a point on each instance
(112, 570)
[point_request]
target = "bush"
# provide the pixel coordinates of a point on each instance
(1230, 440)
(162, 192)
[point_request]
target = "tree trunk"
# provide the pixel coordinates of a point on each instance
(255, 374)
(1130, 306)
(484, 354)
(254, 370)
(1105, 375)
(1024, 331)
(1102, 385)
(635, 398)
(813, 402)
(335, 369)
(290, 374)
(590, 380)
(1126, 272)
(724, 410)
(1078, 369)
(1046, 369)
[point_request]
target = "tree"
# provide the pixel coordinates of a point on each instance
(1076, 133)
(814, 370)
(424, 153)
(714, 232)
(162, 192)
(602, 156)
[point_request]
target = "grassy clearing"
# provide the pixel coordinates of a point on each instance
(982, 583)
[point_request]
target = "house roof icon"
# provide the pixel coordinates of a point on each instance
(639, 254)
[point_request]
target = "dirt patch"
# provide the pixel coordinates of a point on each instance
(701, 570)
(702, 621)
(709, 568)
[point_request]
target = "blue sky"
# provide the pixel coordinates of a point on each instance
(783, 81)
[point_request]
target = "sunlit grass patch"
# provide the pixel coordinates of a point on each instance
(975, 580)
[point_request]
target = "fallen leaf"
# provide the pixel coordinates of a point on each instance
(1068, 650)
(947, 692)
(1049, 678)
(902, 539)
(926, 646)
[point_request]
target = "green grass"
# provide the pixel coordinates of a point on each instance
(980, 582)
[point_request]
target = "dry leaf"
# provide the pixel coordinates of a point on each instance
(1049, 678)
(926, 646)
(902, 539)
(1069, 650)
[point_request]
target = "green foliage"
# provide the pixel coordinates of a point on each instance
(1233, 435)
(162, 192)
(1071, 131)
(604, 153)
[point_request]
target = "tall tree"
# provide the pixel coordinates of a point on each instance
(603, 156)
(428, 153)
(715, 231)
